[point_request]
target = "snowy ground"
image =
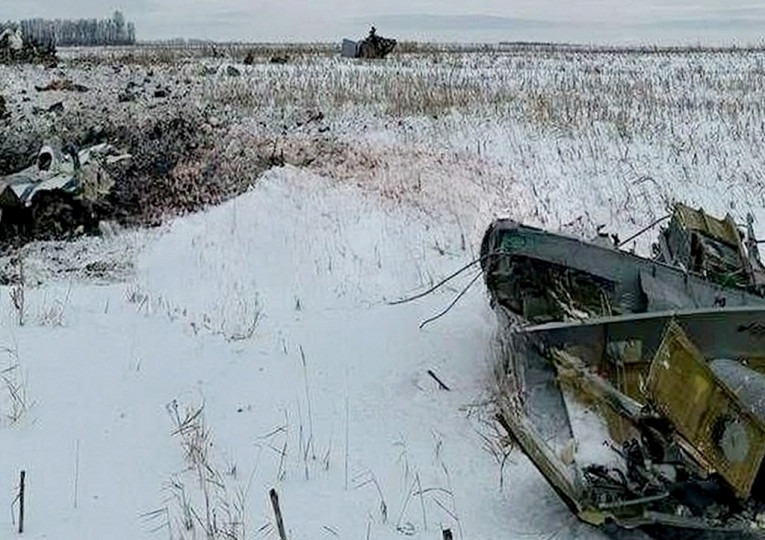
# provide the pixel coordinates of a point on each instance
(269, 313)
(328, 399)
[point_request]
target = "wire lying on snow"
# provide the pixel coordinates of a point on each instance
(442, 282)
(450, 306)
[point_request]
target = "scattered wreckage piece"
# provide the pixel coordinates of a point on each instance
(542, 276)
(712, 247)
(62, 85)
(4, 112)
(373, 46)
(10, 39)
(637, 386)
(14, 49)
(161, 92)
(55, 197)
(55, 108)
(647, 420)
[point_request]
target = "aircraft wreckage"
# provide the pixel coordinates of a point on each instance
(636, 385)
(56, 195)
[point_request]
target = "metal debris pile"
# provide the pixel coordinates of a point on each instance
(373, 46)
(69, 186)
(58, 195)
(15, 49)
(635, 385)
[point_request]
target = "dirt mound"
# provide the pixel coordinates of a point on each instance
(178, 166)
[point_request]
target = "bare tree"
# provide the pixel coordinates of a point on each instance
(85, 32)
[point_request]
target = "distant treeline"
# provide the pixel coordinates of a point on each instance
(77, 32)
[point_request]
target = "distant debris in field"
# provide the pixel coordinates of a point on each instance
(373, 46)
(228, 70)
(15, 49)
(11, 39)
(62, 85)
(56, 108)
(130, 93)
(56, 197)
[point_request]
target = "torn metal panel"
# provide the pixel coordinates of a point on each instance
(723, 230)
(639, 469)
(542, 276)
(552, 465)
(652, 476)
(639, 384)
(661, 360)
(712, 247)
(567, 278)
(705, 411)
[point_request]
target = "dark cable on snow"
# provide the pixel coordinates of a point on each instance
(442, 282)
(450, 306)
(644, 229)
(478, 260)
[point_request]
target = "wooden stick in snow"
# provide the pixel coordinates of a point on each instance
(21, 501)
(278, 514)
(439, 381)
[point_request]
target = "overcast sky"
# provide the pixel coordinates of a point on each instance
(580, 21)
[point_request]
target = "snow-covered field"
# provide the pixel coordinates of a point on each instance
(158, 383)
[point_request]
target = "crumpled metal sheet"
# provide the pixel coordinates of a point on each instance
(708, 414)
(54, 170)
